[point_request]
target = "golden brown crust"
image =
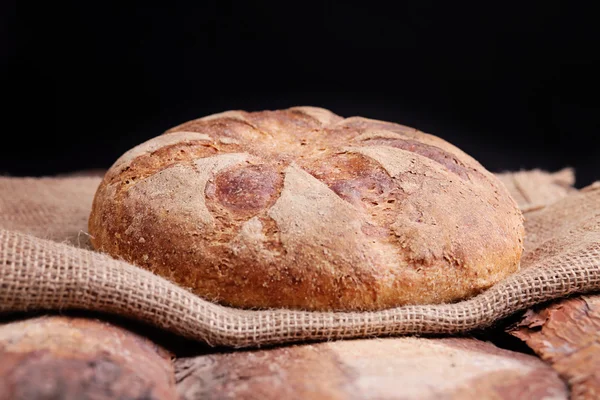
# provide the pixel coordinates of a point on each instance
(58, 357)
(401, 368)
(300, 208)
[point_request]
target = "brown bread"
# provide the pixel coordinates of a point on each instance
(301, 208)
(405, 368)
(79, 358)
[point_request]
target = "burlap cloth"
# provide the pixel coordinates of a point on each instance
(46, 264)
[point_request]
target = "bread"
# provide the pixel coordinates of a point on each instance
(384, 369)
(303, 209)
(78, 358)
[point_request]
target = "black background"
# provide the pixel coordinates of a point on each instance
(516, 86)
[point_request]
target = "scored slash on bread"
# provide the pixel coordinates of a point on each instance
(301, 208)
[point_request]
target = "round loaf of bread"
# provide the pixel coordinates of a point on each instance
(303, 209)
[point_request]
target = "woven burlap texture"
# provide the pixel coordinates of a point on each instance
(46, 264)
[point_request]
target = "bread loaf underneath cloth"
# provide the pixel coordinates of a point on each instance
(70, 358)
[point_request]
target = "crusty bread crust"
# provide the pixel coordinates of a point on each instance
(60, 357)
(303, 209)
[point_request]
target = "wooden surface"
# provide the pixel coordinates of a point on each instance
(399, 368)
(566, 334)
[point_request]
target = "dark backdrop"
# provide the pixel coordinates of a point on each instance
(515, 86)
